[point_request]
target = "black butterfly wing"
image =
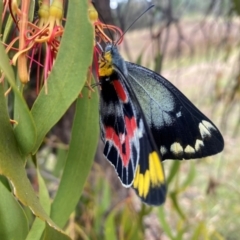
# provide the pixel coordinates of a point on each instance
(129, 145)
(118, 130)
(179, 129)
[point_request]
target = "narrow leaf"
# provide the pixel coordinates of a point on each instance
(12, 166)
(25, 130)
(173, 171)
(13, 222)
(176, 205)
(85, 134)
(38, 225)
(164, 225)
(1, 10)
(51, 234)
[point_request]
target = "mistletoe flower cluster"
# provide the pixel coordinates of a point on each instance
(36, 41)
(31, 40)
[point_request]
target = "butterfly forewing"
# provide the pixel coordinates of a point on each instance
(129, 145)
(179, 129)
(118, 129)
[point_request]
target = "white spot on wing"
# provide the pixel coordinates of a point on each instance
(203, 130)
(176, 148)
(208, 125)
(111, 109)
(198, 144)
(140, 131)
(179, 114)
(163, 150)
(189, 149)
(122, 138)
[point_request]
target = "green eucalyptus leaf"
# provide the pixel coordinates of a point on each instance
(12, 166)
(69, 72)
(85, 134)
(13, 221)
(51, 234)
(61, 159)
(25, 131)
(37, 230)
(38, 225)
(1, 10)
(7, 28)
(5, 182)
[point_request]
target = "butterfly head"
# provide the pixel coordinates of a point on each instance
(111, 60)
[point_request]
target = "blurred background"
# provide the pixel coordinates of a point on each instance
(195, 45)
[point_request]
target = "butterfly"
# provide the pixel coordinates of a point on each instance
(144, 119)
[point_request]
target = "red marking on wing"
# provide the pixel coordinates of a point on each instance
(118, 141)
(131, 126)
(120, 91)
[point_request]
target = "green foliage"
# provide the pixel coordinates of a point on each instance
(25, 132)
(80, 155)
(14, 224)
(236, 6)
(19, 143)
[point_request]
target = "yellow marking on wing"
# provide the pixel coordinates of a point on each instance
(152, 177)
(153, 173)
(158, 169)
(105, 65)
(176, 148)
(136, 179)
(146, 184)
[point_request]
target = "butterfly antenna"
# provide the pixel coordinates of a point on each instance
(134, 23)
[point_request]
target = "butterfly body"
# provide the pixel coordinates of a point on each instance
(144, 120)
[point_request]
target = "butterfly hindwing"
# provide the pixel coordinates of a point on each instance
(179, 129)
(129, 145)
(149, 181)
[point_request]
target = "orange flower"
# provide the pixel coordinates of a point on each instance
(42, 36)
